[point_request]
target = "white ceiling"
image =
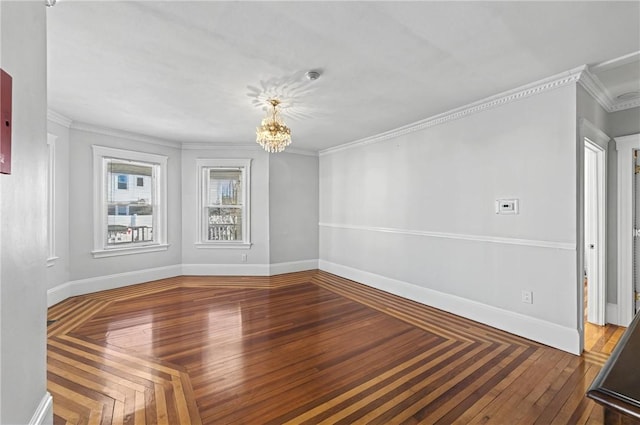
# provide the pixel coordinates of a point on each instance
(199, 71)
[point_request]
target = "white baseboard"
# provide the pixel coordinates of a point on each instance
(548, 333)
(611, 314)
(248, 269)
(225, 269)
(292, 266)
(118, 280)
(44, 413)
(112, 281)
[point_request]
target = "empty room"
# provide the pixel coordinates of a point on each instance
(323, 212)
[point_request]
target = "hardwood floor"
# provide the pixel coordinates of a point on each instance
(302, 348)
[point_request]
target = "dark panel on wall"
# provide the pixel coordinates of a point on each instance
(5, 116)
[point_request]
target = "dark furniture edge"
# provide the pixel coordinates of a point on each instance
(611, 399)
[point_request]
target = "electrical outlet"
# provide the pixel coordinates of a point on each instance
(243, 258)
(527, 297)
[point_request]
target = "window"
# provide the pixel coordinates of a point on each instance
(128, 219)
(223, 213)
(122, 182)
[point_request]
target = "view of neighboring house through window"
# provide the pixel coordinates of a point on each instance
(224, 206)
(129, 206)
(224, 202)
(130, 202)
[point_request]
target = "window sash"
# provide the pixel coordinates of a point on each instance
(223, 211)
(152, 167)
(124, 227)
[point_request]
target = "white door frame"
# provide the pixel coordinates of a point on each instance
(625, 146)
(586, 130)
(597, 279)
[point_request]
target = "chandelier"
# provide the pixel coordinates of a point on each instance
(273, 135)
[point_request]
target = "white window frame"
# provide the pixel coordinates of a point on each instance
(51, 200)
(203, 165)
(100, 247)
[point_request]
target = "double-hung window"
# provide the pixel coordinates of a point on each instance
(223, 211)
(130, 202)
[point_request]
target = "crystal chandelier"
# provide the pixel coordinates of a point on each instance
(273, 135)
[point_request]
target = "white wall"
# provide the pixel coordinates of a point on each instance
(418, 210)
(82, 263)
(293, 207)
(23, 218)
(221, 260)
(58, 272)
(624, 123)
(293, 186)
(591, 110)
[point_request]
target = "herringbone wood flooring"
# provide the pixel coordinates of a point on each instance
(299, 348)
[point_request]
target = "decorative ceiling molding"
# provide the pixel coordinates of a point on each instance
(241, 147)
(614, 63)
(541, 86)
(124, 134)
(298, 151)
(57, 118)
(221, 146)
(592, 84)
(76, 125)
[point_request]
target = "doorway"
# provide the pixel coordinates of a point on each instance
(625, 147)
(594, 232)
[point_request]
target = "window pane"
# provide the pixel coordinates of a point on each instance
(122, 181)
(225, 187)
(129, 207)
(224, 224)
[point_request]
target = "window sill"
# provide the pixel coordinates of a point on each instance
(223, 245)
(114, 252)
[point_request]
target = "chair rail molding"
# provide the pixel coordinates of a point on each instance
(570, 246)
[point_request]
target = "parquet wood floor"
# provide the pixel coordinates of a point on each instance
(302, 348)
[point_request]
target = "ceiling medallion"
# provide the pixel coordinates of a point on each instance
(273, 135)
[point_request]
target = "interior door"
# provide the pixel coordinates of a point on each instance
(591, 237)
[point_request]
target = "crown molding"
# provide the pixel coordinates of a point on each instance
(592, 84)
(124, 134)
(540, 86)
(219, 146)
(298, 151)
(58, 118)
(76, 125)
(621, 106)
(596, 89)
(614, 63)
(241, 146)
